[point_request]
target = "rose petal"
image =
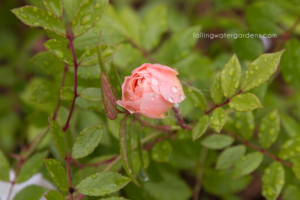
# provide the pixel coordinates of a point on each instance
(143, 66)
(133, 105)
(155, 104)
(124, 86)
(129, 95)
(151, 116)
(163, 67)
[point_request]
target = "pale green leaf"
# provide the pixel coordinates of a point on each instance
(245, 102)
(60, 51)
(197, 97)
(91, 72)
(269, 129)
(45, 92)
(91, 94)
(244, 123)
(218, 119)
(273, 181)
(247, 164)
(58, 174)
(4, 168)
(161, 151)
(54, 195)
(87, 15)
(88, 105)
(230, 77)
(290, 125)
(90, 56)
(291, 148)
(217, 141)
(291, 192)
(261, 70)
(55, 6)
(101, 184)
(31, 166)
(67, 93)
(87, 141)
(230, 156)
(58, 137)
(201, 127)
(34, 16)
(47, 63)
(216, 92)
(296, 169)
(31, 192)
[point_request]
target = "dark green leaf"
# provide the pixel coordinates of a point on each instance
(45, 92)
(244, 123)
(58, 174)
(245, 102)
(161, 151)
(230, 156)
(247, 164)
(291, 148)
(216, 92)
(55, 6)
(60, 51)
(201, 127)
(66, 93)
(72, 6)
(47, 63)
(101, 184)
(197, 97)
(31, 192)
(217, 141)
(218, 119)
(58, 137)
(4, 168)
(54, 195)
(269, 129)
(91, 94)
(290, 125)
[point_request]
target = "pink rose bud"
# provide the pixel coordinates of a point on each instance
(151, 90)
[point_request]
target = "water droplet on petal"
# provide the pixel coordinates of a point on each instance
(94, 176)
(88, 52)
(163, 83)
(86, 19)
(231, 71)
(174, 89)
(35, 9)
(170, 99)
(256, 67)
(59, 53)
(91, 191)
(154, 81)
(182, 97)
(97, 5)
(24, 16)
(251, 72)
(49, 13)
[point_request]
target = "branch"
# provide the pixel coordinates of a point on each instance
(164, 128)
(71, 190)
(180, 120)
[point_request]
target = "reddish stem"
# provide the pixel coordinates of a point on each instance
(180, 120)
(71, 190)
(20, 163)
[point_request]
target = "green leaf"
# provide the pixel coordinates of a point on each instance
(72, 6)
(261, 70)
(216, 92)
(273, 181)
(291, 192)
(153, 26)
(197, 97)
(31, 166)
(108, 97)
(101, 184)
(91, 94)
(90, 56)
(60, 51)
(92, 72)
(230, 156)
(244, 123)
(125, 149)
(87, 141)
(247, 164)
(296, 169)
(201, 127)
(4, 168)
(230, 77)
(290, 64)
(54, 195)
(217, 141)
(45, 92)
(269, 129)
(87, 15)
(66, 93)
(58, 174)
(47, 63)
(37, 17)
(245, 102)
(290, 125)
(55, 6)
(58, 137)
(218, 119)
(114, 198)
(290, 149)
(161, 151)
(88, 105)
(31, 192)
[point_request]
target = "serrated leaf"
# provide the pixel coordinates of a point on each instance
(47, 63)
(66, 93)
(60, 51)
(4, 168)
(87, 15)
(88, 105)
(45, 92)
(58, 137)
(218, 119)
(54, 195)
(31, 166)
(290, 125)
(31, 192)
(197, 97)
(161, 151)
(261, 70)
(153, 26)
(87, 141)
(72, 6)
(291, 148)
(90, 56)
(55, 6)
(58, 174)
(230, 77)
(101, 184)
(201, 127)
(273, 181)
(296, 169)
(108, 97)
(217, 141)
(244, 123)
(245, 102)
(216, 91)
(91, 94)
(91, 72)
(230, 156)
(38, 17)
(125, 149)
(269, 129)
(247, 164)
